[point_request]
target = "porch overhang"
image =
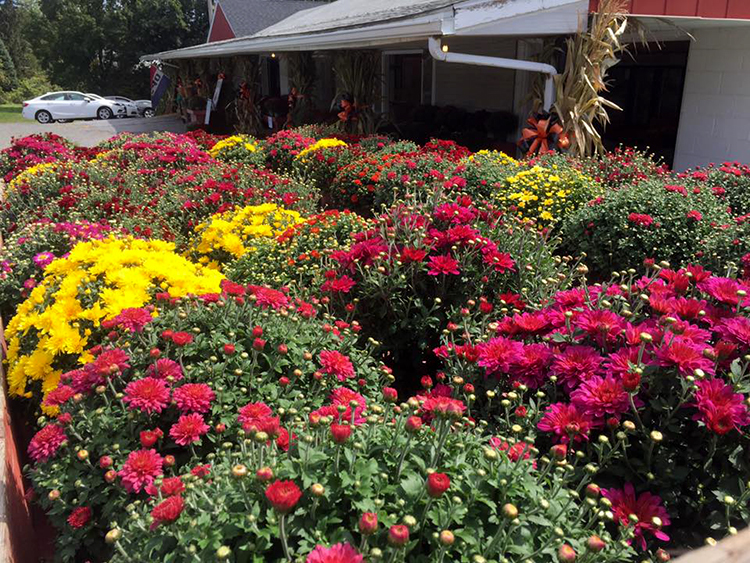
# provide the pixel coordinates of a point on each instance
(463, 18)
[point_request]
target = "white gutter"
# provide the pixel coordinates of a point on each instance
(436, 50)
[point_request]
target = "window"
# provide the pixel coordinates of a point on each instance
(53, 97)
(75, 97)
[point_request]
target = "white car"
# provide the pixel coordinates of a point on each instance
(134, 107)
(64, 106)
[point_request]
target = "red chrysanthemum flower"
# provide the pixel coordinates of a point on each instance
(409, 255)
(719, 407)
(167, 511)
(339, 553)
(514, 452)
(531, 365)
(344, 284)
(110, 362)
(79, 517)
(46, 442)
(575, 364)
(59, 396)
(252, 414)
(149, 395)
(645, 506)
(437, 484)
(685, 355)
(443, 264)
(335, 363)
(193, 397)
(165, 368)
(724, 290)
(566, 422)
(599, 397)
(283, 495)
(344, 397)
(172, 486)
(736, 329)
(188, 429)
(641, 219)
(444, 406)
(497, 354)
(140, 470)
(182, 338)
(600, 325)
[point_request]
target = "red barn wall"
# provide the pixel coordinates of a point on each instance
(732, 9)
(220, 28)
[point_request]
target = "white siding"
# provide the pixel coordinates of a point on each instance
(476, 87)
(715, 115)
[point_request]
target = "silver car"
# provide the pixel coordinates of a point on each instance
(68, 105)
(134, 107)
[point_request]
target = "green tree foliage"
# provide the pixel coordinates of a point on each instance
(95, 45)
(8, 77)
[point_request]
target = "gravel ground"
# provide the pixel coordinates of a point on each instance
(89, 133)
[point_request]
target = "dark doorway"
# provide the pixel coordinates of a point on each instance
(647, 84)
(404, 85)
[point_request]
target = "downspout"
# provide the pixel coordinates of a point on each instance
(436, 50)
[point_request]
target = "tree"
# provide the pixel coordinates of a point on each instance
(8, 77)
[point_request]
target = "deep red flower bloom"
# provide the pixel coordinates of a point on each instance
(409, 255)
(601, 325)
(79, 517)
(645, 506)
(182, 338)
(685, 355)
(340, 432)
(193, 397)
(188, 429)
(167, 511)
(149, 395)
(46, 442)
(443, 406)
(531, 365)
(576, 364)
(566, 422)
(172, 486)
(141, 468)
(337, 364)
(344, 284)
(283, 495)
(641, 219)
(59, 396)
(150, 437)
(437, 484)
(266, 297)
(252, 414)
(443, 264)
(724, 290)
(601, 396)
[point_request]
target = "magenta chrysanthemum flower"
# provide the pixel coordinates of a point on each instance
(46, 442)
(497, 354)
(188, 429)
(719, 407)
(685, 355)
(642, 219)
(149, 395)
(566, 422)
(735, 330)
(133, 320)
(337, 364)
(645, 506)
(601, 396)
(600, 325)
(165, 368)
(110, 362)
(724, 290)
(43, 259)
(531, 365)
(140, 470)
(193, 397)
(530, 324)
(443, 264)
(438, 405)
(59, 396)
(266, 297)
(252, 414)
(576, 364)
(339, 553)
(344, 284)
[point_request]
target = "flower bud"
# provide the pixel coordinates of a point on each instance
(510, 511)
(566, 554)
(447, 538)
(239, 471)
(82, 455)
(398, 535)
(595, 544)
(368, 523)
(223, 553)
(264, 474)
(113, 536)
(413, 424)
(317, 490)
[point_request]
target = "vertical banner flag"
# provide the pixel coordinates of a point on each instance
(159, 85)
(213, 103)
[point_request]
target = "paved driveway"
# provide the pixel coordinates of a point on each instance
(89, 133)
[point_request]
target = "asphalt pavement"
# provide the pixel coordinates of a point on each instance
(89, 133)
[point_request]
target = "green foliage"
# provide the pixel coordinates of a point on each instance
(8, 76)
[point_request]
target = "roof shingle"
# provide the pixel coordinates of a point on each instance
(248, 17)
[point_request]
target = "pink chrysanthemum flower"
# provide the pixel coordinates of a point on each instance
(719, 407)
(193, 397)
(497, 354)
(46, 442)
(43, 259)
(685, 355)
(600, 325)
(724, 290)
(576, 364)
(645, 506)
(110, 362)
(59, 396)
(149, 395)
(335, 363)
(443, 264)
(339, 553)
(188, 429)
(599, 397)
(344, 396)
(445, 406)
(252, 414)
(165, 368)
(566, 422)
(735, 330)
(133, 319)
(140, 470)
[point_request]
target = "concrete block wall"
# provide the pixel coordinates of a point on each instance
(715, 116)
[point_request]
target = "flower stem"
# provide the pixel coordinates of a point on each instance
(403, 455)
(282, 533)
